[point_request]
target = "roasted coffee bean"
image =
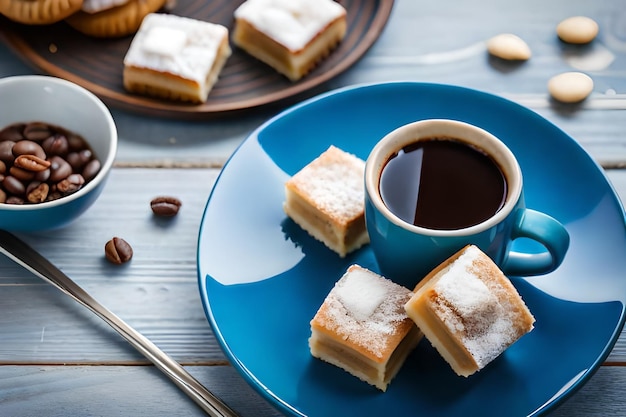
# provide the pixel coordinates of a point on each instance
(13, 186)
(42, 175)
(165, 206)
(53, 194)
(91, 169)
(6, 151)
(42, 162)
(28, 147)
(31, 163)
(14, 200)
(71, 184)
(56, 145)
(118, 251)
(37, 131)
(12, 133)
(79, 159)
(37, 192)
(59, 168)
(75, 142)
(21, 174)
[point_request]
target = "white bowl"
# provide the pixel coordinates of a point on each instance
(62, 103)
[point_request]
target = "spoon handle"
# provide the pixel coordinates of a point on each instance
(26, 256)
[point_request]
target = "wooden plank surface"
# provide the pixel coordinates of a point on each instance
(57, 359)
(64, 391)
(73, 359)
(438, 42)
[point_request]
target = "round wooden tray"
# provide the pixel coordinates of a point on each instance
(244, 83)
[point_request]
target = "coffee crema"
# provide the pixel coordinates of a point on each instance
(442, 184)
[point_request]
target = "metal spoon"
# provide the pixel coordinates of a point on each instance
(23, 254)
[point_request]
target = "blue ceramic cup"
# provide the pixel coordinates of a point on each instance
(406, 253)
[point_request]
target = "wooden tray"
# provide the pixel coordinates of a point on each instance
(96, 64)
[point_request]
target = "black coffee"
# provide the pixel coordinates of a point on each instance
(442, 184)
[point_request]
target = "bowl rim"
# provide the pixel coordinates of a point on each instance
(106, 161)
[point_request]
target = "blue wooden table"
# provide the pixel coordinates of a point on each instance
(56, 359)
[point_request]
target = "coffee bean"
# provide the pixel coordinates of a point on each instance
(118, 251)
(13, 185)
(165, 206)
(6, 151)
(28, 147)
(31, 163)
(79, 159)
(21, 174)
(36, 153)
(42, 175)
(59, 168)
(12, 133)
(37, 131)
(91, 169)
(37, 192)
(15, 200)
(56, 145)
(71, 184)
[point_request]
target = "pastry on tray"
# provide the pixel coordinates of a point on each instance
(362, 327)
(291, 36)
(469, 310)
(175, 58)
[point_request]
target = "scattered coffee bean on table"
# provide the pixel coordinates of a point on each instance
(118, 251)
(41, 162)
(165, 206)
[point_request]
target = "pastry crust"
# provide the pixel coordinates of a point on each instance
(326, 198)
(39, 12)
(362, 328)
(469, 310)
(291, 36)
(114, 22)
(176, 58)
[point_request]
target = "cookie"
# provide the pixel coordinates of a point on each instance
(39, 12)
(115, 22)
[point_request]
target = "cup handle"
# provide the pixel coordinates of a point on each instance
(547, 231)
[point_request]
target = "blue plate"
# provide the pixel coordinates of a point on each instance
(262, 278)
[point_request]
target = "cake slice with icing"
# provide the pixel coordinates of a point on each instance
(176, 58)
(326, 198)
(291, 36)
(469, 310)
(362, 327)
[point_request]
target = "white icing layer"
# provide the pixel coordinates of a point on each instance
(95, 6)
(366, 308)
(177, 45)
(292, 23)
(164, 41)
(334, 182)
(478, 317)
